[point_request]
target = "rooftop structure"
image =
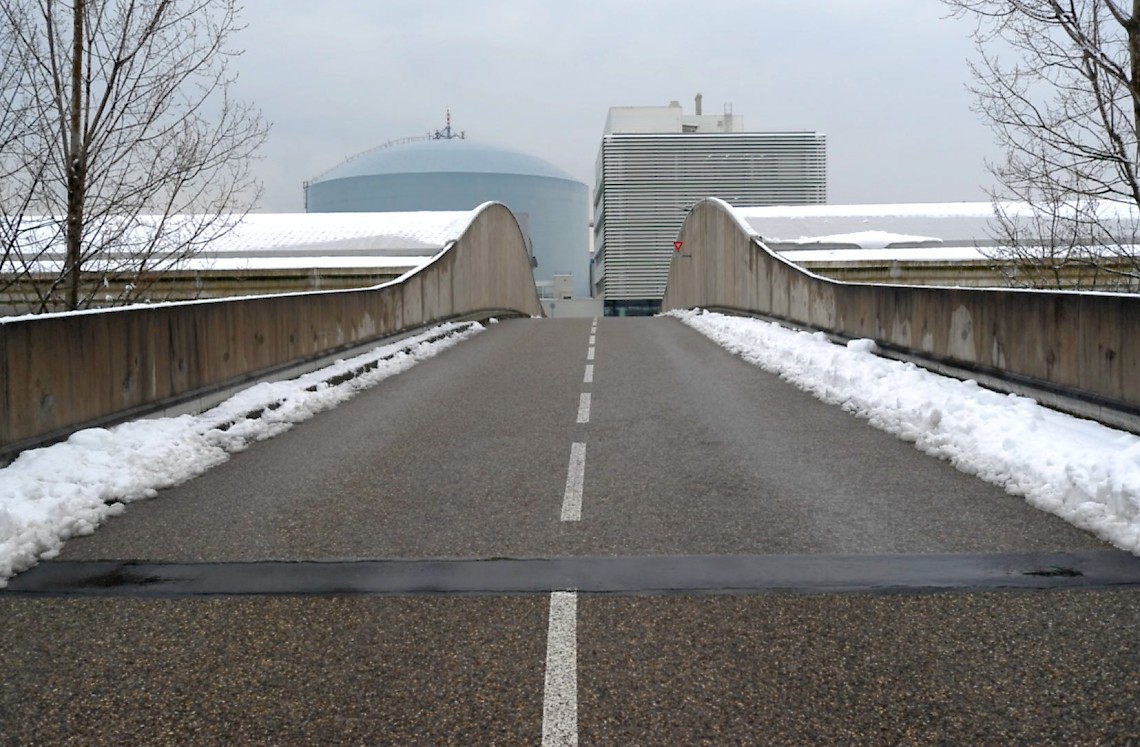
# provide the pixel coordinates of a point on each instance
(670, 120)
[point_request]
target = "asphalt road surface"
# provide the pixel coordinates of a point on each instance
(740, 564)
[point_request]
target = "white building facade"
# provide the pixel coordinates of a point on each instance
(655, 162)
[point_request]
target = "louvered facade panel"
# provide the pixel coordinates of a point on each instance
(646, 183)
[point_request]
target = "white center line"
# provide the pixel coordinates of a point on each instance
(589, 377)
(560, 697)
(572, 500)
(590, 353)
(584, 408)
(592, 338)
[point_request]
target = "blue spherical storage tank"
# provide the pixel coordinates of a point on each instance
(459, 174)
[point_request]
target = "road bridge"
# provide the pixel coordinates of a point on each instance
(570, 531)
(732, 562)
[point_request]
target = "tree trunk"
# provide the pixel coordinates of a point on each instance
(1133, 31)
(76, 165)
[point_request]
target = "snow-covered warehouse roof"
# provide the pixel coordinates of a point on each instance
(266, 241)
(951, 230)
(916, 231)
(282, 240)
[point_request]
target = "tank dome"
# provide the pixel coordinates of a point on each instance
(457, 174)
(454, 155)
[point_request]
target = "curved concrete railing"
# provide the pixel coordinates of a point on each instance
(1077, 351)
(67, 371)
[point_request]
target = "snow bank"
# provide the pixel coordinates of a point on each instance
(1084, 472)
(51, 494)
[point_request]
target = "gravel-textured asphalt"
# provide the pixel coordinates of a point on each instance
(1035, 669)
(1044, 668)
(688, 451)
(272, 671)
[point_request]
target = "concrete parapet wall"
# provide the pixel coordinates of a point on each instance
(1083, 345)
(63, 372)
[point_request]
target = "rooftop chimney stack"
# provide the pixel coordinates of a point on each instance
(698, 105)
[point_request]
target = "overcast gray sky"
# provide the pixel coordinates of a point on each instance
(883, 79)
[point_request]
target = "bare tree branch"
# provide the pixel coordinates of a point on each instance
(1058, 81)
(132, 151)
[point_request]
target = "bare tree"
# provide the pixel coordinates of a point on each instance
(127, 152)
(1059, 83)
(16, 125)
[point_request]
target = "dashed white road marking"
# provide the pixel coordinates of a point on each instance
(560, 697)
(584, 408)
(575, 476)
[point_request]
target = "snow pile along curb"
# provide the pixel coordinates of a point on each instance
(48, 495)
(1082, 471)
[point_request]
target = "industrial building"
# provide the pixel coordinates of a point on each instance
(261, 253)
(655, 162)
(447, 171)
